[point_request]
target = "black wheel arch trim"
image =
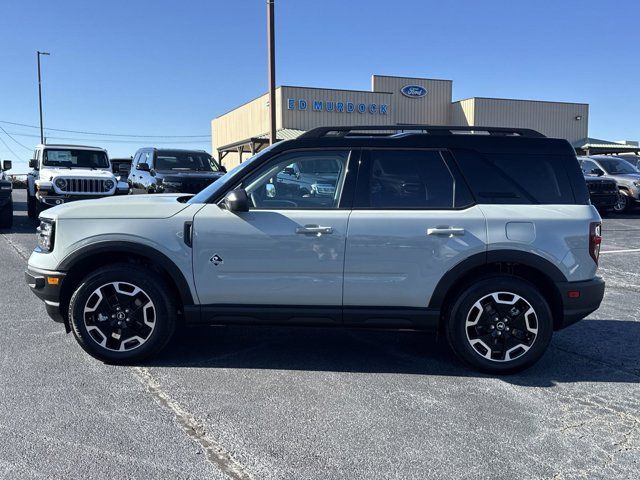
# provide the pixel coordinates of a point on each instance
(124, 247)
(479, 260)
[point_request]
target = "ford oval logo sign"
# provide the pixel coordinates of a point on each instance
(413, 91)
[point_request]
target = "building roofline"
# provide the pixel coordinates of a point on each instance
(336, 89)
(242, 105)
(517, 100)
(413, 78)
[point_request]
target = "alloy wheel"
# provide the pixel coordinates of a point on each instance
(501, 326)
(119, 316)
(621, 203)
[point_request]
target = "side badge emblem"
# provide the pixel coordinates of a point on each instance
(216, 260)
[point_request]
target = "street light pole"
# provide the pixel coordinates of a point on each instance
(271, 66)
(38, 53)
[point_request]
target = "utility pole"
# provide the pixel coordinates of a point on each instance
(271, 66)
(38, 53)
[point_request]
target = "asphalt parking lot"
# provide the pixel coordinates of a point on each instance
(299, 403)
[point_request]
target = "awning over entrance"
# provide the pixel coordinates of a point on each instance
(253, 145)
(593, 146)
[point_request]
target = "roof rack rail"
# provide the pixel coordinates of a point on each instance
(404, 130)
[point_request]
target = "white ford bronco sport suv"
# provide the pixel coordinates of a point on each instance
(484, 234)
(62, 173)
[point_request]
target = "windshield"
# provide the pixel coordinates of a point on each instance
(184, 160)
(615, 166)
(75, 158)
(222, 182)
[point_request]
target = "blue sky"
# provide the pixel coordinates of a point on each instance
(168, 67)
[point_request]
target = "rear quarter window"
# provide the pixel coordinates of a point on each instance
(514, 178)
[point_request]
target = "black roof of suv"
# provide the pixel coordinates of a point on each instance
(499, 164)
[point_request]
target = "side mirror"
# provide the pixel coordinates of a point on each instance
(33, 163)
(143, 167)
(597, 171)
(290, 171)
(236, 200)
(6, 165)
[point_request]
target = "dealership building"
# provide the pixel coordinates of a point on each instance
(240, 133)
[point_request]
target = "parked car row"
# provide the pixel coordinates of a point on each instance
(611, 169)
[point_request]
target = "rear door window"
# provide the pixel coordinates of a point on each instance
(518, 178)
(408, 179)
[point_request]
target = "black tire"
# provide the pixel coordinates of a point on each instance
(622, 205)
(6, 215)
(97, 326)
(516, 347)
(31, 206)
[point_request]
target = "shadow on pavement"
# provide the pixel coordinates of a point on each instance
(366, 351)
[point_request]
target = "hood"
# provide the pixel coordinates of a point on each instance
(50, 173)
(629, 177)
(120, 207)
(182, 176)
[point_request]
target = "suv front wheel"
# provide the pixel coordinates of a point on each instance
(122, 314)
(500, 324)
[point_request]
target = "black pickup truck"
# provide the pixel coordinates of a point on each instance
(6, 202)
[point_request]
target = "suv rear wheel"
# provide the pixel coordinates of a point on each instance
(500, 324)
(122, 314)
(31, 206)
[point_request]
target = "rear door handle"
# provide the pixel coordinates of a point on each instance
(314, 230)
(448, 231)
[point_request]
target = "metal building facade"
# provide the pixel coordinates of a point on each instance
(240, 133)
(554, 119)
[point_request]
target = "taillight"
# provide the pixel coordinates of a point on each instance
(595, 239)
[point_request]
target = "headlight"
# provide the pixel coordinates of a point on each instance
(44, 235)
(61, 183)
(108, 185)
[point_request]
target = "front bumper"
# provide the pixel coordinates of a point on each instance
(576, 306)
(54, 199)
(47, 285)
(604, 200)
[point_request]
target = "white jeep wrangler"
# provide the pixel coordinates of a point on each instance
(62, 173)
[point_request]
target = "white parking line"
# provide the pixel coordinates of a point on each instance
(622, 251)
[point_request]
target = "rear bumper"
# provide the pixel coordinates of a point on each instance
(40, 284)
(588, 299)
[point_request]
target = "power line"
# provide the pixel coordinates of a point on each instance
(109, 140)
(8, 147)
(8, 135)
(104, 134)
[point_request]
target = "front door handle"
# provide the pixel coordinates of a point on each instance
(448, 231)
(314, 230)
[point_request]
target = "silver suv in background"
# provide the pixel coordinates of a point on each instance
(626, 176)
(488, 238)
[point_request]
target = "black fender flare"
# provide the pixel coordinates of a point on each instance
(124, 247)
(479, 260)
